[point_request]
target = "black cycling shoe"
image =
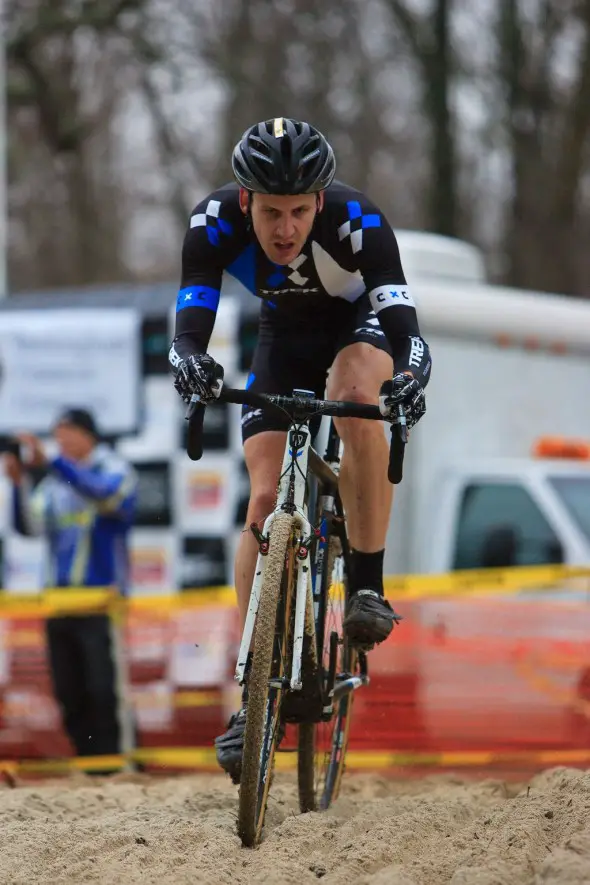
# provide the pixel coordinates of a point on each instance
(370, 619)
(229, 746)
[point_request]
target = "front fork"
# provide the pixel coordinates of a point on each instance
(303, 544)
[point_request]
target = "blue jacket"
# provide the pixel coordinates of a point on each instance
(85, 511)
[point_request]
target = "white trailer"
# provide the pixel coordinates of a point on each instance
(510, 368)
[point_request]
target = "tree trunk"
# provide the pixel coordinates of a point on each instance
(437, 72)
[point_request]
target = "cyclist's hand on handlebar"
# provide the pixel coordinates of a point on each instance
(405, 389)
(199, 374)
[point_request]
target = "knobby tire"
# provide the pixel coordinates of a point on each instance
(262, 726)
(320, 769)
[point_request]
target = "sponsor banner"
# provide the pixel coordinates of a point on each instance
(82, 357)
(31, 707)
(204, 640)
(24, 563)
(205, 494)
(153, 554)
(155, 344)
(153, 705)
(4, 657)
(147, 641)
(160, 435)
(204, 562)
(154, 504)
(177, 667)
(5, 502)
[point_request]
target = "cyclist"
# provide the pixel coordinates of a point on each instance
(336, 309)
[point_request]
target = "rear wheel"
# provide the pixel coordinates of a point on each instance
(262, 731)
(322, 746)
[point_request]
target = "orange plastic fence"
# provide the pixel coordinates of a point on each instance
(508, 676)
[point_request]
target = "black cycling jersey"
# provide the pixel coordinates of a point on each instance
(351, 255)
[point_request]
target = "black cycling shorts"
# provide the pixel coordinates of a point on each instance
(288, 357)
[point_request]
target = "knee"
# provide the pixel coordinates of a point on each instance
(356, 392)
(262, 502)
(360, 434)
(360, 386)
(356, 431)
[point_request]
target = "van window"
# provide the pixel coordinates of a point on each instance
(574, 492)
(501, 525)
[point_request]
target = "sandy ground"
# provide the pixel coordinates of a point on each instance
(435, 830)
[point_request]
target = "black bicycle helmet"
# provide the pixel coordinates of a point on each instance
(283, 156)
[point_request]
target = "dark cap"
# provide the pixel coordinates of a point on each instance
(81, 418)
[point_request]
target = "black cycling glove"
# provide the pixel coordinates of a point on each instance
(407, 390)
(199, 374)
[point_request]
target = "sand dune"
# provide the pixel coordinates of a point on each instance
(181, 830)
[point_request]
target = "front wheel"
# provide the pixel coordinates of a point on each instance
(261, 735)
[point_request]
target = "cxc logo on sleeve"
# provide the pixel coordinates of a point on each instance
(391, 296)
(356, 224)
(197, 296)
(214, 225)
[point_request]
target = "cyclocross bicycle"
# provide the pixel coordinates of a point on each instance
(294, 657)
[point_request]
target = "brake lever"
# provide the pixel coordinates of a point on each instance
(195, 401)
(402, 423)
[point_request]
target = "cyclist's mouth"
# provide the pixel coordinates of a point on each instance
(284, 248)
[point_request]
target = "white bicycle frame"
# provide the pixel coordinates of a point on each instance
(291, 488)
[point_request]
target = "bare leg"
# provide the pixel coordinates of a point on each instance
(357, 375)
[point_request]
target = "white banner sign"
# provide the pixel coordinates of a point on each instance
(153, 561)
(205, 493)
(24, 568)
(55, 359)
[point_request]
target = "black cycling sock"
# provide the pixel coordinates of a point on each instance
(367, 571)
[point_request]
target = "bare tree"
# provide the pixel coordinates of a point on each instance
(392, 83)
(548, 126)
(198, 74)
(299, 59)
(66, 66)
(428, 36)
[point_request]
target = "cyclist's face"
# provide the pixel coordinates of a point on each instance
(282, 224)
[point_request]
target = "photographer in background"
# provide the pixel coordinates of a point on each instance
(84, 505)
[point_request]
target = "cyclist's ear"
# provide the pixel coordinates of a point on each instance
(244, 200)
(319, 204)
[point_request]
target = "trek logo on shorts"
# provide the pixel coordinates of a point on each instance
(251, 415)
(391, 296)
